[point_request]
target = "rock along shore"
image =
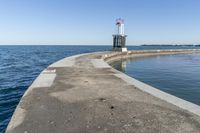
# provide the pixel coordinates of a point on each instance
(84, 94)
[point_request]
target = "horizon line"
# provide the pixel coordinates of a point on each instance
(172, 44)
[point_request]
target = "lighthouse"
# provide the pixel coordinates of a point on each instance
(119, 39)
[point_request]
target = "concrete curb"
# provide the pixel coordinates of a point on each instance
(183, 104)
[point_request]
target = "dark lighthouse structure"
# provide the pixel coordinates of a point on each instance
(119, 39)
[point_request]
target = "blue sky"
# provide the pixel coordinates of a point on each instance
(93, 21)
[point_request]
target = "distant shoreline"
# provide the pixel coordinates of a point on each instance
(158, 45)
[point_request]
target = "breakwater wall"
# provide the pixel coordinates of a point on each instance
(83, 93)
(109, 58)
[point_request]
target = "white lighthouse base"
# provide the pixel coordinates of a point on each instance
(120, 49)
(124, 49)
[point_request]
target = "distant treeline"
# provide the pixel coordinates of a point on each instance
(183, 45)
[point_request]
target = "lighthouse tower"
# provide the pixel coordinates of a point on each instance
(119, 39)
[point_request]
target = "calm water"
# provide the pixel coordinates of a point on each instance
(20, 65)
(178, 75)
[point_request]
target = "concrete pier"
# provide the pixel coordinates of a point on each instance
(83, 93)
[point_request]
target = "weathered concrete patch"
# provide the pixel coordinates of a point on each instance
(66, 62)
(44, 80)
(99, 63)
(49, 71)
(75, 95)
(160, 94)
(17, 119)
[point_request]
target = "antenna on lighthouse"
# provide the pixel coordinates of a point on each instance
(119, 39)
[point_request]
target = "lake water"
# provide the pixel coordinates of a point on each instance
(178, 74)
(20, 65)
